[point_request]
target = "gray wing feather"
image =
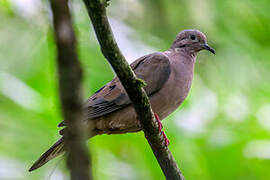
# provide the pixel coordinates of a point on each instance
(154, 69)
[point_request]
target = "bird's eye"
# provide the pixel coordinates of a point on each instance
(192, 37)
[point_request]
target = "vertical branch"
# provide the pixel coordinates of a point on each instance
(97, 12)
(70, 75)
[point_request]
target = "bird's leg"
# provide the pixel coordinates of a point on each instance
(167, 141)
(160, 126)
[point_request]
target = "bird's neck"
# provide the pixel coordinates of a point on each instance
(187, 53)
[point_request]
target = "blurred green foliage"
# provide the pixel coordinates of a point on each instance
(222, 131)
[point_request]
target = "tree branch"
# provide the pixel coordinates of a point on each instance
(97, 12)
(70, 75)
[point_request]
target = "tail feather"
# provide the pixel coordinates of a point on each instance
(54, 151)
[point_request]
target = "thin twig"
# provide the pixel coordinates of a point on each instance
(97, 12)
(70, 75)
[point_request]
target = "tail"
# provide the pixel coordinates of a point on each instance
(54, 151)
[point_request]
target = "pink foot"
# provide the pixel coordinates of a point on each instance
(160, 126)
(166, 140)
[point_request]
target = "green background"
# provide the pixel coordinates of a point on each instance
(221, 131)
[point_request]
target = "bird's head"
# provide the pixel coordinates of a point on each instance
(192, 40)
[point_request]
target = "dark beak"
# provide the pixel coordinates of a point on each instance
(208, 48)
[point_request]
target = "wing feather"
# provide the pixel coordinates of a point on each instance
(154, 69)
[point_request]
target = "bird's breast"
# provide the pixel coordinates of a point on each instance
(175, 90)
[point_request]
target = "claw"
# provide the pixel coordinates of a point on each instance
(166, 140)
(160, 126)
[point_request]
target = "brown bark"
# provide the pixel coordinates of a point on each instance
(97, 13)
(70, 75)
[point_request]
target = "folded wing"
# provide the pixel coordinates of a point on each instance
(154, 69)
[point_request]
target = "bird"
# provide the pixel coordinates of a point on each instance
(168, 76)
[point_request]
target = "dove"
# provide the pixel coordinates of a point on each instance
(168, 76)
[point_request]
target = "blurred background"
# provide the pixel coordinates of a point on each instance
(222, 131)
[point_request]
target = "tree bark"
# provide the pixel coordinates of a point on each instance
(70, 76)
(133, 86)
